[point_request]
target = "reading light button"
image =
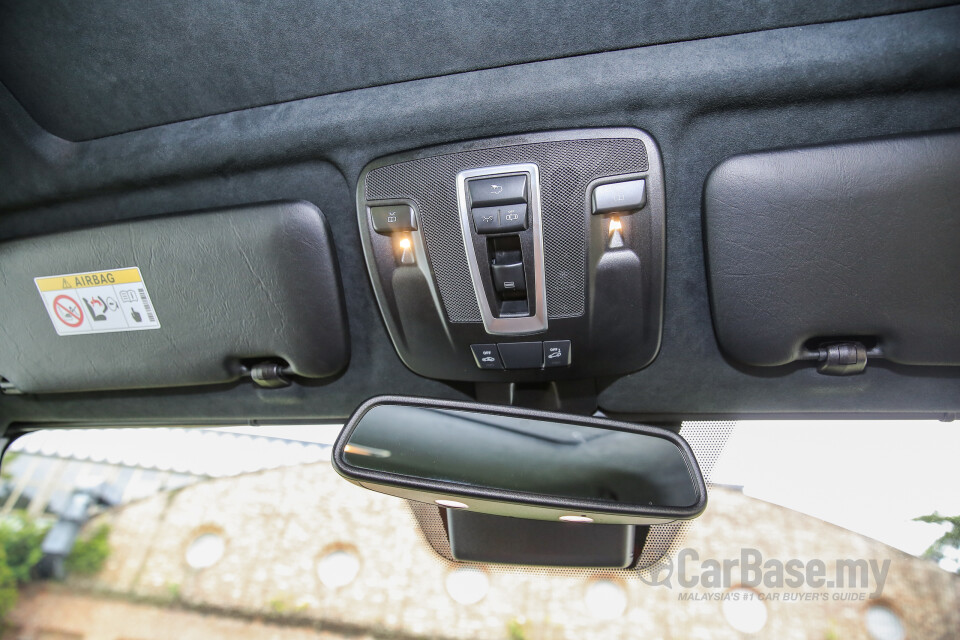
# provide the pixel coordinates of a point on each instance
(625, 197)
(395, 217)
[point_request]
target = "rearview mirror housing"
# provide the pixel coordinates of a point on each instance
(521, 463)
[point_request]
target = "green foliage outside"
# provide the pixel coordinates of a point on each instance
(284, 604)
(949, 539)
(89, 554)
(8, 587)
(20, 538)
(7, 461)
(516, 630)
(20, 541)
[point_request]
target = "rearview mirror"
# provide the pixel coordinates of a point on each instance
(519, 462)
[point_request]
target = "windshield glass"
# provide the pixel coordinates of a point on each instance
(812, 529)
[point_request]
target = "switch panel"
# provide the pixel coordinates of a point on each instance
(508, 267)
(522, 355)
(499, 211)
(500, 219)
(513, 217)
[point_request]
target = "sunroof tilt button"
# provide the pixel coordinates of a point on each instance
(486, 192)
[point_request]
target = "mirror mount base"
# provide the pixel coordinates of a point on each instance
(481, 537)
(577, 397)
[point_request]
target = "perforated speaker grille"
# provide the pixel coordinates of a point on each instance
(566, 168)
(706, 439)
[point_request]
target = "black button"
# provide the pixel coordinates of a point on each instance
(485, 192)
(395, 217)
(556, 353)
(508, 277)
(500, 219)
(521, 355)
(513, 217)
(624, 197)
(487, 219)
(487, 356)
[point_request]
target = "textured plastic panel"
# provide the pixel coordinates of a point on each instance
(228, 286)
(566, 168)
(854, 239)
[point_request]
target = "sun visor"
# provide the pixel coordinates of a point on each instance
(178, 300)
(837, 251)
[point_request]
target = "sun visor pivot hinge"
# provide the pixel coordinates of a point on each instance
(841, 358)
(270, 375)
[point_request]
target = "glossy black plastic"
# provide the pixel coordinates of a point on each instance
(410, 478)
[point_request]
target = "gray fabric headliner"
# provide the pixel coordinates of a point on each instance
(85, 70)
(702, 101)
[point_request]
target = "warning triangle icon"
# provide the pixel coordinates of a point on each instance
(66, 284)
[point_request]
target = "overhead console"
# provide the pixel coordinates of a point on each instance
(838, 254)
(530, 258)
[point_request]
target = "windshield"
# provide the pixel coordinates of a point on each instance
(812, 529)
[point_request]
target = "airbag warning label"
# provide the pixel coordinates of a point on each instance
(98, 302)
